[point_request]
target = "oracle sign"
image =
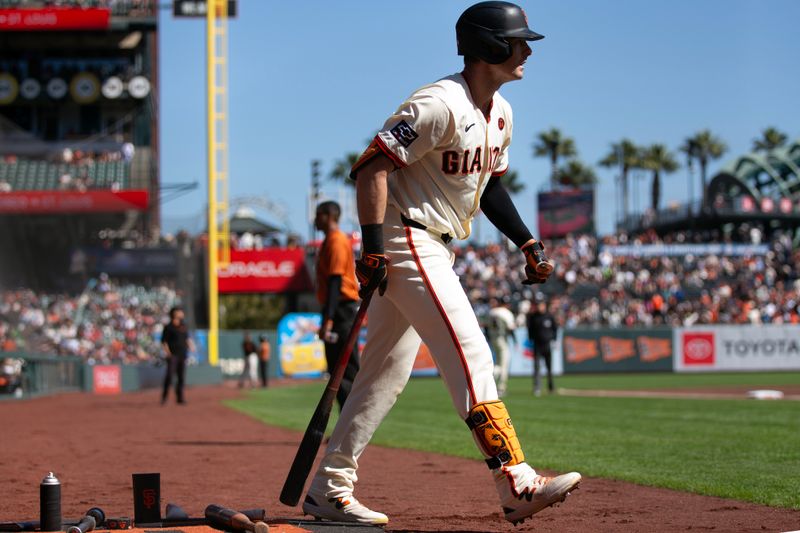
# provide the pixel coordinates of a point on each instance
(269, 270)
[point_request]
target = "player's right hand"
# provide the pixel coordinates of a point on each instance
(538, 267)
(371, 274)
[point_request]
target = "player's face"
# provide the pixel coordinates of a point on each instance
(514, 67)
(321, 221)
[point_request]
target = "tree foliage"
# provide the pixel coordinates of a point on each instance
(553, 145)
(770, 139)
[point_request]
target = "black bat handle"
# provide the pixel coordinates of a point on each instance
(86, 524)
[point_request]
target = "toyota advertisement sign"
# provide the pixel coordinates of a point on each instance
(741, 347)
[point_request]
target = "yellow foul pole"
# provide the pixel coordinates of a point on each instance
(217, 126)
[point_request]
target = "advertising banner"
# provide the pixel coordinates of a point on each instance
(618, 350)
(107, 379)
(132, 262)
(268, 270)
(65, 202)
(300, 351)
(564, 212)
(732, 348)
(660, 250)
(54, 19)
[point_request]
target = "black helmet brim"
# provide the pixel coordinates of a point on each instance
(527, 34)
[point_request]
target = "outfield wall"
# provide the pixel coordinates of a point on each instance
(618, 350)
(706, 348)
(737, 348)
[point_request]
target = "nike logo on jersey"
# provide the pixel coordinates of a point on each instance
(468, 127)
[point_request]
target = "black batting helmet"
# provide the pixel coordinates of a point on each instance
(483, 29)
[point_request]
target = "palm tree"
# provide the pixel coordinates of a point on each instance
(770, 138)
(658, 159)
(625, 155)
(341, 168)
(576, 174)
(705, 147)
(688, 147)
(553, 145)
(511, 182)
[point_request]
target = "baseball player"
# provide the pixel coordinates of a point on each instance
(502, 324)
(435, 162)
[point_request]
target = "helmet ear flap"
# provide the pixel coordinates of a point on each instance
(497, 50)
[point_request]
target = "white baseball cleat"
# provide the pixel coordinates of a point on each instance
(524, 493)
(345, 509)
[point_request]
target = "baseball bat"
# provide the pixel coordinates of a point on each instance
(27, 525)
(98, 515)
(233, 520)
(33, 525)
(86, 524)
(315, 432)
(256, 515)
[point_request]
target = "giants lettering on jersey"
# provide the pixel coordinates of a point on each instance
(468, 161)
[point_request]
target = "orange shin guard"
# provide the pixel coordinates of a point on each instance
(491, 425)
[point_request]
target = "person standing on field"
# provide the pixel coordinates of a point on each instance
(250, 368)
(542, 332)
(337, 293)
(435, 162)
(176, 344)
(264, 350)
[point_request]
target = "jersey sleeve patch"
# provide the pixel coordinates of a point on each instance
(404, 134)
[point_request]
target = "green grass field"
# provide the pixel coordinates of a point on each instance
(743, 449)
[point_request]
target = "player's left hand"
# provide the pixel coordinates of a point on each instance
(538, 267)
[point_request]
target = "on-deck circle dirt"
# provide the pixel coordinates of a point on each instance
(207, 453)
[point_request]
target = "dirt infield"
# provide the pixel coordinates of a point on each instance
(207, 453)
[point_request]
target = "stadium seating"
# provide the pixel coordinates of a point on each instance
(31, 175)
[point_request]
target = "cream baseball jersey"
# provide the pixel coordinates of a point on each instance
(445, 151)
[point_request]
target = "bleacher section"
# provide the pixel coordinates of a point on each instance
(30, 175)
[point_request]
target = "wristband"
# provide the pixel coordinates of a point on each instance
(372, 238)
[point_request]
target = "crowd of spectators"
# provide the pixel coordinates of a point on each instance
(592, 287)
(118, 322)
(77, 165)
(108, 322)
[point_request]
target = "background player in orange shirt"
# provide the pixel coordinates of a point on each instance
(337, 292)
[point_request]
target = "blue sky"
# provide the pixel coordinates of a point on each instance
(314, 79)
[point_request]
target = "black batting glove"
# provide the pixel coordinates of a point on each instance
(371, 274)
(538, 267)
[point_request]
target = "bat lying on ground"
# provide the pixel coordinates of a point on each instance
(33, 525)
(86, 524)
(229, 519)
(256, 515)
(307, 452)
